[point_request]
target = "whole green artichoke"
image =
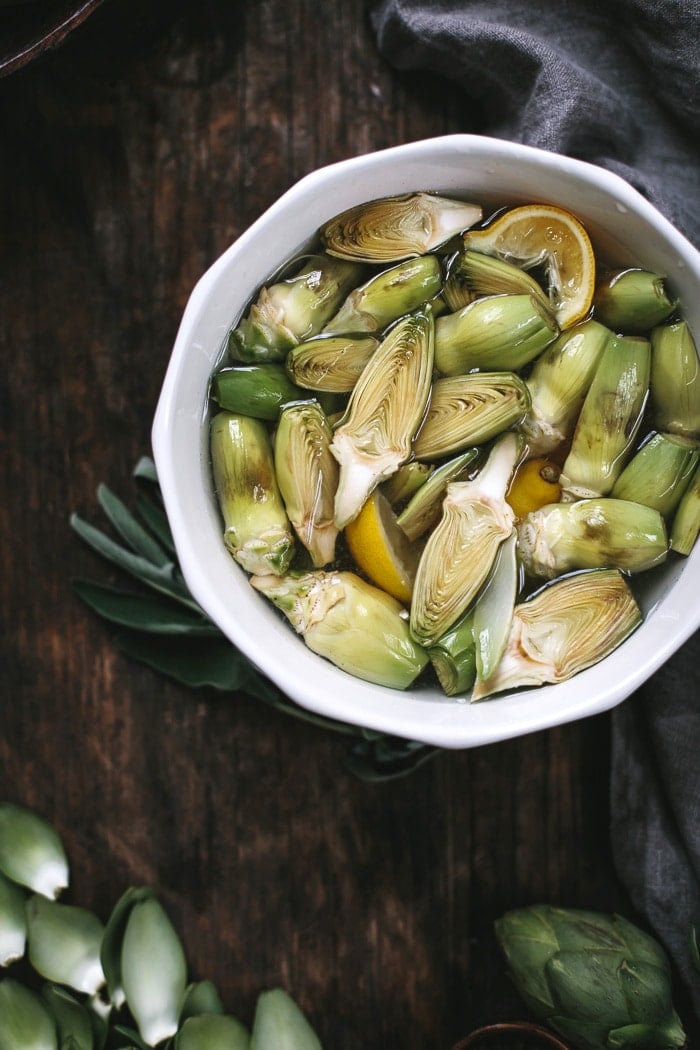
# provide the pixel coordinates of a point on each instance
(595, 979)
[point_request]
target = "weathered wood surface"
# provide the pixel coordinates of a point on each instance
(129, 159)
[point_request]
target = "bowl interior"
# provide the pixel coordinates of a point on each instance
(624, 228)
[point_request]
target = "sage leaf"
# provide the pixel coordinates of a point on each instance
(146, 470)
(143, 612)
(157, 522)
(380, 758)
(129, 529)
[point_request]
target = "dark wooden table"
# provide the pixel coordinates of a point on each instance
(129, 159)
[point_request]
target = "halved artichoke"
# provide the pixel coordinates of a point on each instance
(388, 296)
(569, 625)
(330, 363)
(385, 409)
(393, 228)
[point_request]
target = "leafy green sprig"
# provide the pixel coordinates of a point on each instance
(165, 628)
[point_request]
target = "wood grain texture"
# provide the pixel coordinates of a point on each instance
(130, 159)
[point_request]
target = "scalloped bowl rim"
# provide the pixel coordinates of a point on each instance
(453, 163)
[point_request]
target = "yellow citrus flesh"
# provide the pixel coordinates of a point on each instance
(535, 484)
(381, 550)
(542, 234)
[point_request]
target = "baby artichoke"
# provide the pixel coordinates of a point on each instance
(470, 410)
(460, 551)
(351, 623)
(686, 521)
(591, 534)
(307, 475)
(632, 301)
(569, 625)
(659, 473)
(595, 979)
(675, 380)
(388, 296)
(394, 228)
(293, 309)
(256, 527)
(385, 409)
(330, 363)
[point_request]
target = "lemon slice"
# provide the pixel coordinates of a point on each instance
(544, 235)
(381, 549)
(534, 485)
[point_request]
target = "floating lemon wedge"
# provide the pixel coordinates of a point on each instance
(534, 485)
(544, 235)
(381, 549)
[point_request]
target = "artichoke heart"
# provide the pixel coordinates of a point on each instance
(460, 551)
(470, 410)
(386, 406)
(257, 531)
(307, 475)
(495, 332)
(675, 380)
(393, 228)
(611, 415)
(330, 363)
(592, 534)
(567, 626)
(388, 296)
(293, 309)
(356, 626)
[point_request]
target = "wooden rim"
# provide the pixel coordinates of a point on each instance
(548, 1039)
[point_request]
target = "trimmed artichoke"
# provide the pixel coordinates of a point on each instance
(460, 551)
(609, 420)
(388, 296)
(63, 944)
(686, 521)
(659, 473)
(394, 228)
(592, 534)
(632, 301)
(279, 1024)
(349, 622)
(425, 506)
(257, 531)
(153, 970)
(569, 625)
(470, 410)
(558, 384)
(453, 657)
(31, 853)
(13, 921)
(293, 309)
(385, 409)
(596, 979)
(257, 390)
(25, 1022)
(331, 363)
(497, 332)
(675, 380)
(307, 475)
(489, 275)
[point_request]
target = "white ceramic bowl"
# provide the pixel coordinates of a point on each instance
(486, 170)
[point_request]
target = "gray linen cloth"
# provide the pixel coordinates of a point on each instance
(618, 84)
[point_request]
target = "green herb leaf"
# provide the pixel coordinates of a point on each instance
(146, 470)
(143, 612)
(380, 758)
(126, 525)
(157, 522)
(135, 1042)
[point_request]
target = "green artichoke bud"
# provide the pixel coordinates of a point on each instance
(498, 332)
(257, 530)
(568, 625)
(254, 390)
(675, 380)
(388, 296)
(212, 1032)
(659, 473)
(686, 521)
(609, 420)
(25, 1023)
(293, 309)
(111, 947)
(153, 971)
(384, 412)
(632, 301)
(469, 410)
(307, 475)
(31, 853)
(330, 363)
(64, 944)
(394, 228)
(72, 1018)
(13, 921)
(595, 979)
(356, 626)
(280, 1024)
(461, 549)
(558, 384)
(592, 534)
